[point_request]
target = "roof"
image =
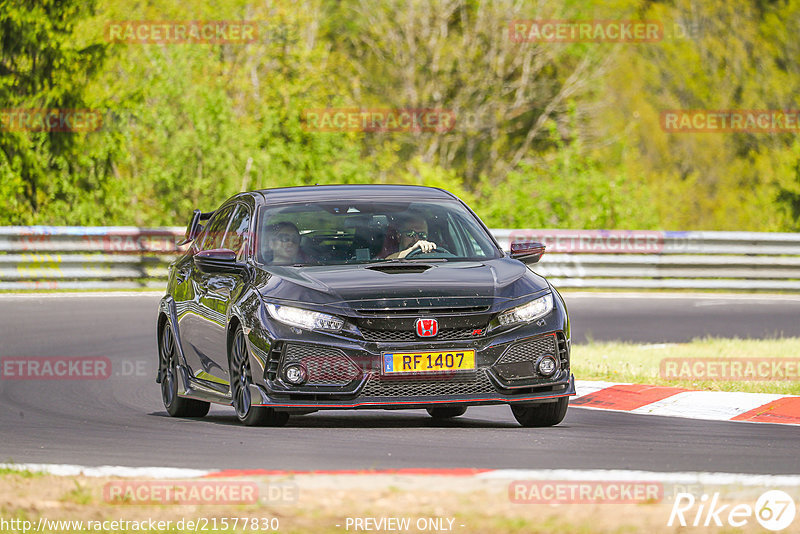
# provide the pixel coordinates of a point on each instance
(341, 192)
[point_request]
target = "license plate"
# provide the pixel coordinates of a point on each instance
(428, 362)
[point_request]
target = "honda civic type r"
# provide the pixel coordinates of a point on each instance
(300, 299)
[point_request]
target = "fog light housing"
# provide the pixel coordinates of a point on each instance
(547, 365)
(294, 374)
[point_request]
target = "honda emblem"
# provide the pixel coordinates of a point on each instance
(427, 327)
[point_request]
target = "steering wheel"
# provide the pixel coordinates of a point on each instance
(418, 251)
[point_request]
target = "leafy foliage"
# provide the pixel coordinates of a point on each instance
(547, 134)
(43, 67)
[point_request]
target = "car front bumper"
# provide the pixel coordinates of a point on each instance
(349, 375)
(365, 400)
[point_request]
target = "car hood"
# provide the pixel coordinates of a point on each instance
(396, 284)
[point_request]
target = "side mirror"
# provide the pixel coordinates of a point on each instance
(219, 260)
(527, 253)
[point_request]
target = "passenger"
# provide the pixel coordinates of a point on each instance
(283, 242)
(412, 235)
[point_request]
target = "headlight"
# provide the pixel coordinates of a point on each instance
(310, 320)
(527, 312)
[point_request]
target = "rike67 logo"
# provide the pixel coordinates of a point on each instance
(774, 510)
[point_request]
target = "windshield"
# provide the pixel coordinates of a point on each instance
(342, 232)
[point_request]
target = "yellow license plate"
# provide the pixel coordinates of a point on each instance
(427, 362)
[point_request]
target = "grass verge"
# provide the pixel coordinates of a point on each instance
(642, 364)
(321, 504)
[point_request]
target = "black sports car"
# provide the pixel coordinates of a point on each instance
(294, 300)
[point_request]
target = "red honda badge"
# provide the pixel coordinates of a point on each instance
(427, 327)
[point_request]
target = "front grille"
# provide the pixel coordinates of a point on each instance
(462, 384)
(518, 361)
(423, 311)
(529, 351)
(445, 334)
(324, 365)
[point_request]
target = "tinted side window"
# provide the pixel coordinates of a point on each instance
(238, 232)
(215, 232)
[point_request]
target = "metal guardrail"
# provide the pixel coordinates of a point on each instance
(74, 257)
(639, 259)
(43, 257)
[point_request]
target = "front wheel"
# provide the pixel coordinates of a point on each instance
(537, 415)
(167, 365)
(241, 379)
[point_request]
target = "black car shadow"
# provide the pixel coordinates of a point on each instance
(359, 420)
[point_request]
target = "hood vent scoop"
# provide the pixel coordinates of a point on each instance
(400, 268)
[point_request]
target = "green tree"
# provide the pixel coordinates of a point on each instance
(42, 66)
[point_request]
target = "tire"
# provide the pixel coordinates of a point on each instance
(446, 412)
(538, 415)
(241, 379)
(168, 372)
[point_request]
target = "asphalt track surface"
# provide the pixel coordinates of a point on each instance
(121, 421)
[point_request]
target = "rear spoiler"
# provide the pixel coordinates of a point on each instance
(194, 228)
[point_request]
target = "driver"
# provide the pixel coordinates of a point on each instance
(413, 234)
